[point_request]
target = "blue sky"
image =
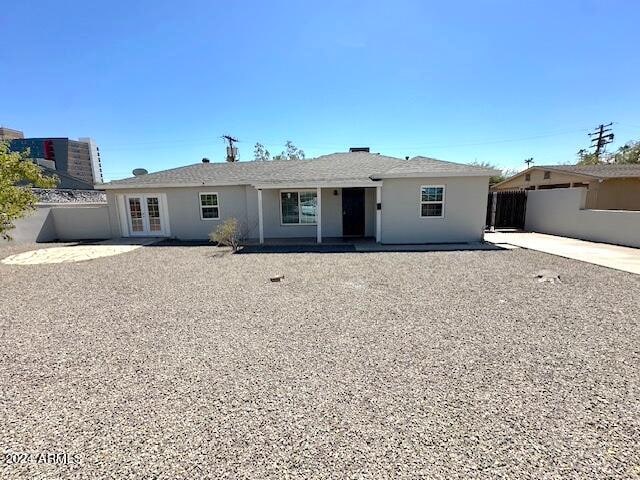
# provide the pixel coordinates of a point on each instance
(157, 83)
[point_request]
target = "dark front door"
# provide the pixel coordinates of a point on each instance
(353, 212)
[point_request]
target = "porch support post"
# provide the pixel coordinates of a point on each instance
(319, 214)
(378, 213)
(260, 224)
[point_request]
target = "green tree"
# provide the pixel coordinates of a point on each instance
(291, 152)
(17, 175)
(587, 158)
(628, 153)
(261, 154)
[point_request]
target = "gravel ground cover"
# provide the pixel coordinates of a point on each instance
(59, 195)
(177, 362)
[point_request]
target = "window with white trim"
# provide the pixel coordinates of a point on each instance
(432, 201)
(298, 207)
(209, 206)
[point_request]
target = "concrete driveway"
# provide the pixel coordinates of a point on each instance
(626, 259)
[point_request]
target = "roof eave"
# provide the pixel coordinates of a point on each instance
(317, 184)
(571, 172)
(135, 186)
(488, 173)
(542, 167)
(266, 185)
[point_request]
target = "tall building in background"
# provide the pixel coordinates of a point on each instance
(10, 134)
(94, 156)
(75, 162)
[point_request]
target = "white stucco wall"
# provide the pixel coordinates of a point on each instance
(240, 202)
(559, 212)
(251, 199)
(64, 222)
(331, 212)
(464, 210)
(401, 223)
(331, 216)
(91, 222)
(273, 227)
(183, 206)
(369, 212)
(36, 226)
(184, 210)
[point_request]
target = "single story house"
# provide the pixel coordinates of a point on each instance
(351, 194)
(610, 186)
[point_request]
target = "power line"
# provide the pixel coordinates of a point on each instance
(627, 127)
(200, 142)
(493, 142)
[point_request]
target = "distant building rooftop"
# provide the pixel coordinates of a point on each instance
(10, 134)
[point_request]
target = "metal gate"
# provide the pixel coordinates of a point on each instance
(506, 209)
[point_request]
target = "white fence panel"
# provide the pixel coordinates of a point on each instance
(561, 212)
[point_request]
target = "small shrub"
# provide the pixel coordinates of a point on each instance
(227, 234)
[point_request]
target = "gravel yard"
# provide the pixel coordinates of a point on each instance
(59, 195)
(173, 362)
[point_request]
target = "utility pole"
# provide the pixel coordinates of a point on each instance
(232, 152)
(602, 136)
(529, 161)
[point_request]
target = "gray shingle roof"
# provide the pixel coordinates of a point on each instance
(419, 165)
(610, 170)
(338, 167)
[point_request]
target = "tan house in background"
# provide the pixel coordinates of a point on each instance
(610, 186)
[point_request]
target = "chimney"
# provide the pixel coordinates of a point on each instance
(205, 160)
(359, 149)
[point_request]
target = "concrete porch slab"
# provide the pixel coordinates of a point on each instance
(142, 241)
(426, 247)
(365, 247)
(79, 252)
(293, 241)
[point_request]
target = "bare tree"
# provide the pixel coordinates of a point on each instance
(505, 173)
(261, 154)
(291, 152)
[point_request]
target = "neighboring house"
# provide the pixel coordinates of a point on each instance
(354, 194)
(611, 186)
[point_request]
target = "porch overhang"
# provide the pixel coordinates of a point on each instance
(318, 186)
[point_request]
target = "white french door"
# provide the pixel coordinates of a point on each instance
(145, 215)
